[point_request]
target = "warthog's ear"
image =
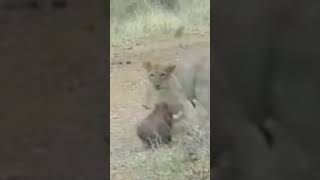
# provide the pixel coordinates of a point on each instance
(170, 68)
(147, 65)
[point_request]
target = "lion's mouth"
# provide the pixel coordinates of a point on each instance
(160, 87)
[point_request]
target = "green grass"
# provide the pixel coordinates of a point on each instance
(133, 20)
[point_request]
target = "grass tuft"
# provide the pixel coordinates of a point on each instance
(187, 158)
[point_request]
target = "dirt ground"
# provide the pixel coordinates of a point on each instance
(127, 83)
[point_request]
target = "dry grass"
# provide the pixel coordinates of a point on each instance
(186, 158)
(137, 19)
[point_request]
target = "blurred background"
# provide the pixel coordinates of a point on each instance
(133, 20)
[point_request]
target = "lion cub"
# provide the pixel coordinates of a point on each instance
(155, 129)
(163, 86)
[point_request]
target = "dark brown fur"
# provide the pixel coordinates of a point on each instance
(156, 127)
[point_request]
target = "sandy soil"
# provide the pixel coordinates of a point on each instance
(127, 90)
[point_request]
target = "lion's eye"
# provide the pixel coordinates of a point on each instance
(162, 74)
(151, 75)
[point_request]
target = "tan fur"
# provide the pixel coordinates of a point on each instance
(156, 127)
(193, 74)
(162, 86)
(181, 84)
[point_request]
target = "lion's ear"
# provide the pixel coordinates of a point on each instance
(170, 68)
